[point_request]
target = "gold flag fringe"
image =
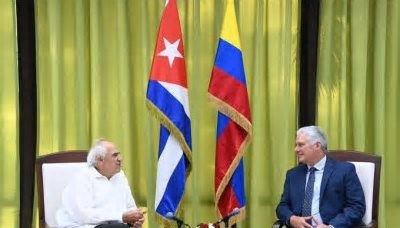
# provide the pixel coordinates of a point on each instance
(228, 175)
(166, 223)
(173, 129)
(241, 216)
(185, 147)
(245, 123)
(231, 112)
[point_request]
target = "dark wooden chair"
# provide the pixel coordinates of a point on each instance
(53, 173)
(368, 169)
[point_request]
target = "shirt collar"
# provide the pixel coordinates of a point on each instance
(95, 173)
(320, 165)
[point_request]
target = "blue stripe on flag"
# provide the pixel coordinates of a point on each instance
(164, 134)
(171, 108)
(229, 59)
(222, 122)
(237, 182)
(174, 190)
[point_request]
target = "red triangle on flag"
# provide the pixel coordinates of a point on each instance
(168, 59)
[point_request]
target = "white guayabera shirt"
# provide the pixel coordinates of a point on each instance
(91, 199)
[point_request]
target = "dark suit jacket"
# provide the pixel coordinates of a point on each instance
(342, 202)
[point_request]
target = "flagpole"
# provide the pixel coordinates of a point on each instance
(228, 92)
(167, 99)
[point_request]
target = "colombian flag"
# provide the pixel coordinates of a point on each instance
(228, 91)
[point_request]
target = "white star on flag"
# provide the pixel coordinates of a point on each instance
(171, 51)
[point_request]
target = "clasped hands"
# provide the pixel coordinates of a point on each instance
(305, 222)
(135, 218)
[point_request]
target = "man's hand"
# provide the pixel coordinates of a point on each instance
(300, 222)
(319, 224)
(138, 223)
(134, 217)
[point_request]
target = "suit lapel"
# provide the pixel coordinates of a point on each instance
(329, 167)
(301, 182)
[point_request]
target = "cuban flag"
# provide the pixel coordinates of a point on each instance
(228, 92)
(167, 99)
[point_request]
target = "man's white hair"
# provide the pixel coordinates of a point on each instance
(315, 134)
(98, 150)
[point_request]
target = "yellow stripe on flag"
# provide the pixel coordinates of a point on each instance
(229, 28)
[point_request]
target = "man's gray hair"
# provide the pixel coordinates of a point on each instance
(316, 134)
(97, 151)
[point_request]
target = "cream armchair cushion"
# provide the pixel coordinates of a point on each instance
(55, 177)
(365, 172)
(53, 173)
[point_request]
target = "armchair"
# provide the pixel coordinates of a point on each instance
(53, 173)
(368, 168)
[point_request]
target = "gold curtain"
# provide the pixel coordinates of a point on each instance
(93, 61)
(9, 162)
(358, 86)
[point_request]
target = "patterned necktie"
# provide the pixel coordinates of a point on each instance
(306, 211)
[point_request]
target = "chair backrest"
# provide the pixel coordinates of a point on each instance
(368, 168)
(53, 173)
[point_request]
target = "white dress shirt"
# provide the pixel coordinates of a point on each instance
(91, 199)
(317, 190)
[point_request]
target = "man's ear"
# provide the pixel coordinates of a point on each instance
(318, 145)
(99, 160)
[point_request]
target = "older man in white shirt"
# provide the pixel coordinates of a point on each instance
(100, 196)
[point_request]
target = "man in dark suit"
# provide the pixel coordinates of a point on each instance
(320, 192)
